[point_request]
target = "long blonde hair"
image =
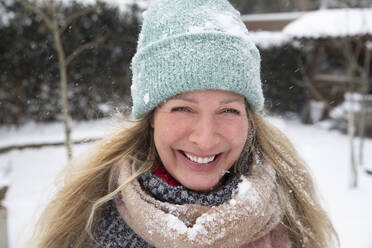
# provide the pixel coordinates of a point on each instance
(90, 183)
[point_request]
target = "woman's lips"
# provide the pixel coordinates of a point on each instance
(207, 162)
(199, 159)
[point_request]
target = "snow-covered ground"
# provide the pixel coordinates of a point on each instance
(36, 133)
(31, 174)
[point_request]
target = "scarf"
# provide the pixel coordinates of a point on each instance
(180, 195)
(149, 211)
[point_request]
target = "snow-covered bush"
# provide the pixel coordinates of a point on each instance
(280, 77)
(353, 102)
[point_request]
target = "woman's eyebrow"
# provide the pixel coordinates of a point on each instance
(236, 99)
(180, 97)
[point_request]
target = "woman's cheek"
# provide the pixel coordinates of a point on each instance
(234, 131)
(174, 130)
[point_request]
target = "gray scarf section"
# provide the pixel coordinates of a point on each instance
(113, 232)
(180, 195)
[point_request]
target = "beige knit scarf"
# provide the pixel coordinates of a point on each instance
(251, 213)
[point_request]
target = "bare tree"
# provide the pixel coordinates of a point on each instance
(51, 17)
(352, 56)
(365, 75)
(324, 4)
(302, 5)
(3, 219)
(359, 74)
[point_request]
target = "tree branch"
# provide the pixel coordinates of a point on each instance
(38, 12)
(58, 7)
(299, 83)
(50, 7)
(96, 42)
(76, 15)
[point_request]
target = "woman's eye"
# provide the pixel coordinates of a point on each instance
(231, 111)
(180, 109)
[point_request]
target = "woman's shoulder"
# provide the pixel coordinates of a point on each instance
(112, 230)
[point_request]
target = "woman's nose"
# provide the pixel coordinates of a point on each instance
(205, 133)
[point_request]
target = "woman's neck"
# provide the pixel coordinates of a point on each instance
(163, 174)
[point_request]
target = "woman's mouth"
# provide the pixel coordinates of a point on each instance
(200, 163)
(199, 160)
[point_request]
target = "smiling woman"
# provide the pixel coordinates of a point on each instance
(200, 167)
(199, 135)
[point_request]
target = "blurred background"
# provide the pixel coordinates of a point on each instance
(65, 71)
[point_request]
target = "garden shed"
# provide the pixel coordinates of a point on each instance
(270, 21)
(338, 45)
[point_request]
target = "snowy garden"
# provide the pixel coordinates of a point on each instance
(316, 75)
(30, 174)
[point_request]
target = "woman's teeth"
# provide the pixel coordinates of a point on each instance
(199, 159)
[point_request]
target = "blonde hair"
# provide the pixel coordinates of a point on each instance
(90, 182)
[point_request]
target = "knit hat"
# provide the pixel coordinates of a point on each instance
(188, 45)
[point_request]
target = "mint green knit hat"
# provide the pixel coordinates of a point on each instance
(188, 45)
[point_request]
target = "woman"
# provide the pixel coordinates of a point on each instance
(199, 167)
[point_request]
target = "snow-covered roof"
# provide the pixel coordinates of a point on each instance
(272, 16)
(332, 23)
(265, 39)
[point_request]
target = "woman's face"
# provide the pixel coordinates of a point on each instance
(199, 135)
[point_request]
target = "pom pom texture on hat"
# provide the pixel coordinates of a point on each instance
(188, 45)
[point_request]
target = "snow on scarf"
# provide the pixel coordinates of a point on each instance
(242, 212)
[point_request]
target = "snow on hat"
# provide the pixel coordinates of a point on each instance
(188, 45)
